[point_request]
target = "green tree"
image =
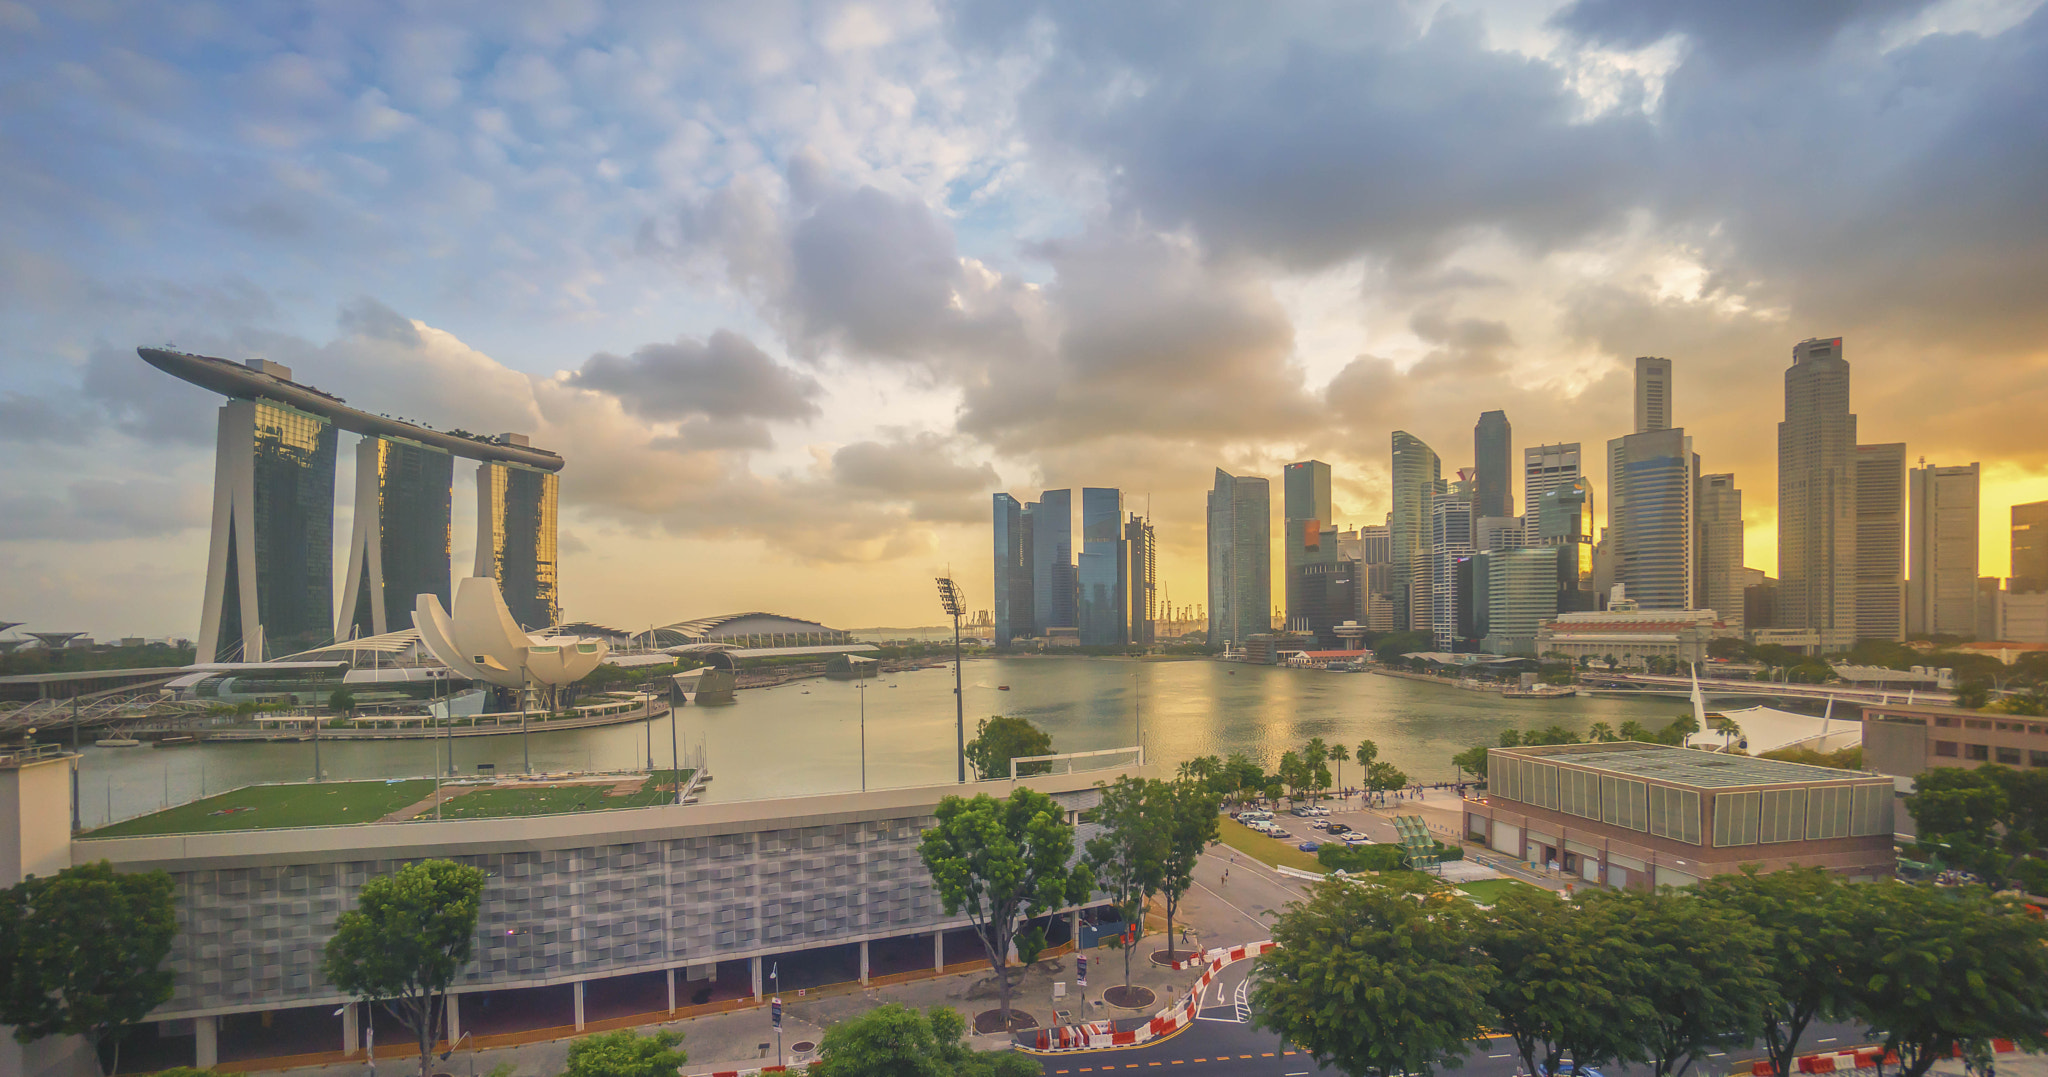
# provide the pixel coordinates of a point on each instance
(897, 1041)
(1959, 814)
(1944, 968)
(1600, 733)
(1129, 856)
(1293, 773)
(1388, 649)
(1341, 755)
(1561, 988)
(1383, 776)
(341, 701)
(1472, 760)
(999, 860)
(1376, 977)
(999, 739)
(1697, 969)
(626, 1053)
(1192, 822)
(1973, 694)
(79, 954)
(1315, 764)
(409, 935)
(1811, 951)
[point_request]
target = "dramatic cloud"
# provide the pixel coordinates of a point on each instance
(719, 388)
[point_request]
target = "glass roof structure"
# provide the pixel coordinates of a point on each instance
(1686, 766)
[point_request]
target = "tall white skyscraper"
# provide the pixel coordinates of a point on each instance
(1651, 544)
(1418, 476)
(1545, 468)
(1240, 559)
(1941, 584)
(1881, 541)
(1817, 495)
(1653, 394)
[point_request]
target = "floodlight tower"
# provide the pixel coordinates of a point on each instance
(955, 603)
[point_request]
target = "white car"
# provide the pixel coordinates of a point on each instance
(1319, 811)
(1354, 839)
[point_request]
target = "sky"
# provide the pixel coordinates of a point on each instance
(795, 287)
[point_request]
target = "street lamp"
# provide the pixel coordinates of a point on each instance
(955, 603)
(861, 681)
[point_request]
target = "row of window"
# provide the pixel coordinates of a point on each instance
(1763, 816)
(1949, 722)
(1655, 809)
(1985, 753)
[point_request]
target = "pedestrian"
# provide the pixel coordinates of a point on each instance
(1226, 875)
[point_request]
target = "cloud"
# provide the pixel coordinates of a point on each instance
(923, 469)
(1736, 33)
(724, 379)
(99, 510)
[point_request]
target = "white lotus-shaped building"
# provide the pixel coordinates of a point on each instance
(481, 641)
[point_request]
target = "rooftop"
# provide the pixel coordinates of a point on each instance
(1687, 766)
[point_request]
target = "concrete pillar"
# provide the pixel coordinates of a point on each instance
(863, 962)
(938, 950)
(579, 1005)
(671, 990)
(351, 1034)
(206, 1046)
(454, 1020)
(755, 964)
(1074, 927)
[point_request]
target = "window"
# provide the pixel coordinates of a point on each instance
(2037, 758)
(1945, 747)
(1735, 818)
(1828, 811)
(2009, 756)
(1675, 813)
(1944, 722)
(1624, 802)
(1977, 723)
(1872, 814)
(1977, 751)
(1784, 815)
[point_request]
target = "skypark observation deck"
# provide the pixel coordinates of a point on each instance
(233, 379)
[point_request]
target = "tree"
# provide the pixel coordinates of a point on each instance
(403, 943)
(1472, 759)
(1807, 916)
(341, 701)
(79, 954)
(999, 739)
(1191, 824)
(626, 1053)
(1377, 977)
(1959, 813)
(1128, 857)
(1342, 755)
(901, 1042)
(1697, 969)
(1315, 765)
(1943, 968)
(1383, 776)
(1600, 733)
(1973, 694)
(1001, 859)
(1560, 988)
(1389, 648)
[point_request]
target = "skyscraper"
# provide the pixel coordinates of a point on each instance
(1653, 394)
(1717, 557)
(1564, 523)
(399, 547)
(1450, 526)
(1493, 457)
(1544, 467)
(516, 525)
(1655, 525)
(270, 566)
(1240, 559)
(1052, 562)
(1417, 476)
(1141, 543)
(1817, 495)
(1521, 593)
(1012, 589)
(1881, 541)
(1307, 521)
(1941, 551)
(2030, 548)
(1104, 561)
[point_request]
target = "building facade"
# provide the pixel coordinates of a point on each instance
(1941, 571)
(270, 562)
(1141, 543)
(1817, 493)
(1653, 394)
(1493, 489)
(1545, 467)
(1655, 555)
(1450, 528)
(1881, 541)
(1718, 548)
(1012, 588)
(399, 548)
(1521, 594)
(1642, 816)
(1417, 477)
(1629, 635)
(2029, 548)
(1103, 608)
(1308, 522)
(1053, 588)
(1906, 740)
(1240, 559)
(517, 519)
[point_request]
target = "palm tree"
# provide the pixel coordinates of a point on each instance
(1634, 730)
(1340, 753)
(1600, 731)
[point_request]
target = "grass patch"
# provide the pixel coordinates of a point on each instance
(506, 803)
(1266, 850)
(1488, 891)
(276, 806)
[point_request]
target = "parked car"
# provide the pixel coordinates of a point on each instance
(1570, 1069)
(1318, 810)
(1309, 846)
(1337, 828)
(1300, 813)
(1355, 838)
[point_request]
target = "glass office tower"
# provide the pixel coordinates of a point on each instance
(1657, 520)
(1103, 565)
(516, 525)
(1493, 491)
(1052, 561)
(1418, 476)
(270, 565)
(1240, 559)
(1012, 590)
(400, 546)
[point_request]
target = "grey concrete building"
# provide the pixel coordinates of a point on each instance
(1817, 493)
(1881, 541)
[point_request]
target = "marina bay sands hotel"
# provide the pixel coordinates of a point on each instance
(270, 564)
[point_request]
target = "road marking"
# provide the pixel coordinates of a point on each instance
(1497, 1056)
(1711, 1054)
(1830, 1039)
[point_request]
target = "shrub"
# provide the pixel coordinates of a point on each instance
(1340, 857)
(1447, 853)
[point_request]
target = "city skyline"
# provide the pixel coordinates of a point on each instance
(798, 292)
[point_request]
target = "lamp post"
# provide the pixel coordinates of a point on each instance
(525, 694)
(954, 603)
(861, 682)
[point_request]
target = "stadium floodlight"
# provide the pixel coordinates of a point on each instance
(954, 602)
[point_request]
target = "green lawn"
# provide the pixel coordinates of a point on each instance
(1488, 891)
(1264, 849)
(274, 806)
(502, 803)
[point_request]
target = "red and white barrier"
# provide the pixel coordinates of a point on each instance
(1862, 1058)
(1095, 1036)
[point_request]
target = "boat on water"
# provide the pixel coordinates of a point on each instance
(117, 742)
(1540, 691)
(1002, 688)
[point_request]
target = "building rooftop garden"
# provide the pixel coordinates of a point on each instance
(304, 804)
